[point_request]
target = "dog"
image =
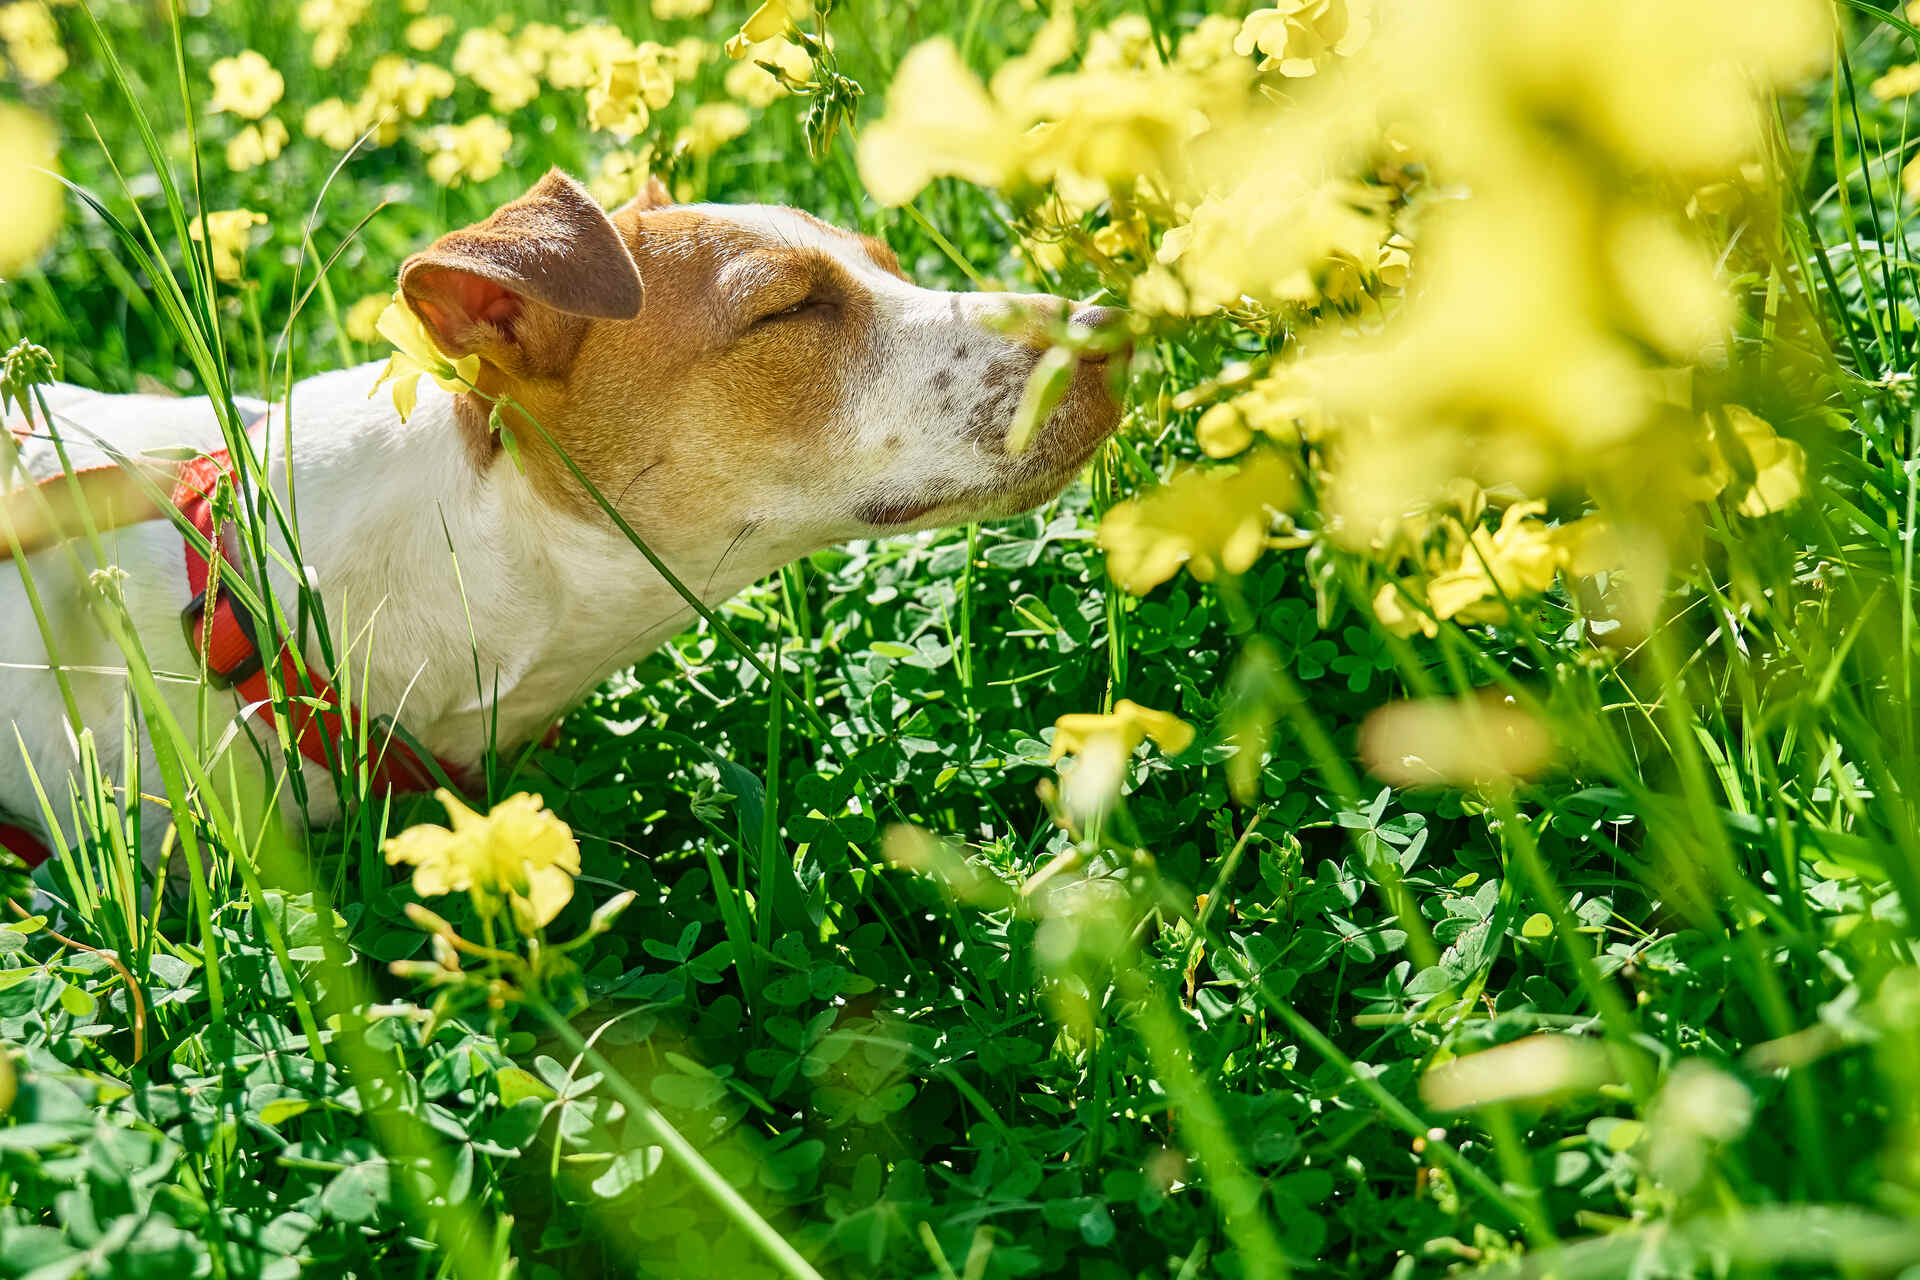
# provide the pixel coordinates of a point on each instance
(744, 384)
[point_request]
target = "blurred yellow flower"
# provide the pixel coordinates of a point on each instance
(581, 59)
(621, 175)
(535, 43)
(1222, 431)
(425, 34)
(1277, 237)
(414, 354)
(1101, 746)
(470, 152)
(1212, 522)
(519, 854)
(331, 23)
(401, 85)
(1209, 44)
(712, 125)
(1486, 740)
(1666, 278)
(362, 321)
(1779, 465)
(630, 88)
(490, 59)
(1091, 133)
(246, 84)
(1125, 44)
(32, 41)
(672, 10)
(1396, 262)
(940, 120)
(754, 85)
(228, 233)
(334, 123)
(1899, 82)
(1128, 723)
(687, 55)
(256, 144)
(1298, 36)
(31, 202)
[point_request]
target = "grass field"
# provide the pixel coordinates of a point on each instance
(1436, 796)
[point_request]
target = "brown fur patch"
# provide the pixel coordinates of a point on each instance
(679, 411)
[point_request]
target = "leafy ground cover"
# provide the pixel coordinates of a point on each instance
(1481, 828)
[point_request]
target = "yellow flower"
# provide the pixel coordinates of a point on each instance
(1779, 464)
(228, 232)
(1102, 745)
(621, 175)
(687, 55)
(1517, 560)
(333, 122)
(1485, 740)
(246, 85)
(398, 86)
(489, 58)
(1129, 723)
(582, 58)
(1298, 36)
(31, 203)
(1125, 44)
(332, 23)
(470, 152)
(1898, 82)
(1590, 546)
(536, 42)
(1396, 615)
(363, 317)
(33, 41)
(669, 10)
(519, 853)
(1396, 262)
(712, 125)
(754, 85)
(1222, 431)
(415, 354)
(1212, 522)
(1208, 45)
(771, 19)
(425, 34)
(629, 88)
(256, 144)
(940, 120)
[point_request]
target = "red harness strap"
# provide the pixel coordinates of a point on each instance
(223, 635)
(23, 844)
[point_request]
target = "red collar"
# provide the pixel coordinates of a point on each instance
(223, 636)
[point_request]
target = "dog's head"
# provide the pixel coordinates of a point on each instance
(715, 367)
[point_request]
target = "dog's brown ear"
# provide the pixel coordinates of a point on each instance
(652, 196)
(506, 286)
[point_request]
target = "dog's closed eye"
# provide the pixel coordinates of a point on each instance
(815, 303)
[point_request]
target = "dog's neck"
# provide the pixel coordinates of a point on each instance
(464, 603)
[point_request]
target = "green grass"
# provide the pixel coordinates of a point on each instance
(1190, 1042)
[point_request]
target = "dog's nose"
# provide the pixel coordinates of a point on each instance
(1110, 322)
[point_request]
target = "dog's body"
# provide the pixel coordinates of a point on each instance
(780, 387)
